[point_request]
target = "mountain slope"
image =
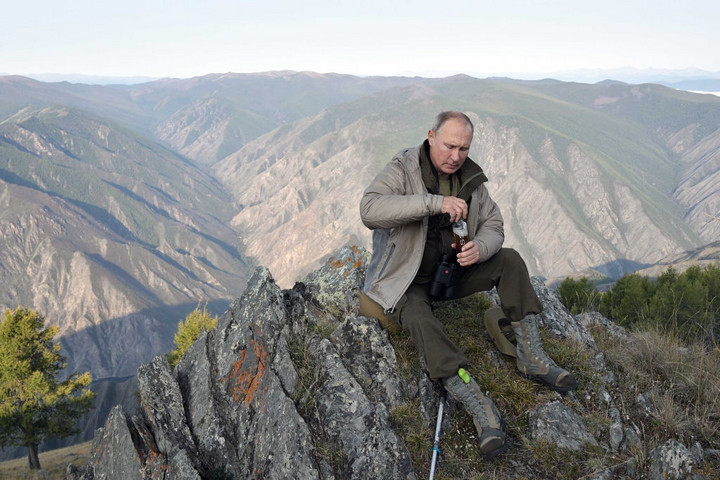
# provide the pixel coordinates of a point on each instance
(580, 187)
(122, 207)
(100, 225)
(686, 125)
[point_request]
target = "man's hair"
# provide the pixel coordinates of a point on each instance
(451, 115)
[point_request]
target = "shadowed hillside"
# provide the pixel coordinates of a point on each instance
(122, 207)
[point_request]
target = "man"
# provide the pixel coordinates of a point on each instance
(411, 206)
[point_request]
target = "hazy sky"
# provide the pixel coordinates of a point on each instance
(182, 38)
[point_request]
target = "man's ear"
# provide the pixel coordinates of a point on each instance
(431, 137)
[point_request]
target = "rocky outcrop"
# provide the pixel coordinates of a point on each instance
(294, 384)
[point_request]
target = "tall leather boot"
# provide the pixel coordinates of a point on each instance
(532, 360)
(464, 389)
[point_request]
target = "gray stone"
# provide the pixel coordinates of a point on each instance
(589, 319)
(557, 423)
(698, 453)
(632, 437)
(617, 435)
(334, 286)
(368, 355)
(671, 461)
(558, 319)
(113, 453)
(270, 438)
(358, 427)
(162, 404)
(195, 378)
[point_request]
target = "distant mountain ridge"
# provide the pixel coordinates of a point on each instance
(123, 206)
(671, 77)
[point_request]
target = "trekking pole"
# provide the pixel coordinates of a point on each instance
(436, 443)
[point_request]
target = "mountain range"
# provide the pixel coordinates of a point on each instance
(124, 207)
(692, 78)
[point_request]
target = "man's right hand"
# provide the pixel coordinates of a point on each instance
(455, 207)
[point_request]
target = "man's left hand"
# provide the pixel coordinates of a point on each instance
(469, 255)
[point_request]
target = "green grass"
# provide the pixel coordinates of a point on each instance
(687, 402)
(55, 462)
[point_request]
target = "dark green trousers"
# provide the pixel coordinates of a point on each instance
(506, 271)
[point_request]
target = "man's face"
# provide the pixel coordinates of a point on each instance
(449, 146)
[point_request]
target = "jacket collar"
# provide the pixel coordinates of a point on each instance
(470, 174)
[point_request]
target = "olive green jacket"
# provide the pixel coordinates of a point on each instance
(397, 205)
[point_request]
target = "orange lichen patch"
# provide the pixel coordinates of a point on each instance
(351, 261)
(156, 462)
(248, 372)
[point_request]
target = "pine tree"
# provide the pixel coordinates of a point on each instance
(34, 403)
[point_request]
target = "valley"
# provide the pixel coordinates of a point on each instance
(122, 208)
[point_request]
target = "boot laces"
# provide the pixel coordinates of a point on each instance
(534, 342)
(471, 397)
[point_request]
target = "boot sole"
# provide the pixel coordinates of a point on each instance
(502, 449)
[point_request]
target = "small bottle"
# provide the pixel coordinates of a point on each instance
(461, 234)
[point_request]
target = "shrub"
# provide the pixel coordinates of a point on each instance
(190, 330)
(578, 295)
(686, 304)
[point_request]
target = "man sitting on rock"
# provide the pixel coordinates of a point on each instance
(411, 205)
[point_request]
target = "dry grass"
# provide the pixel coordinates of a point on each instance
(54, 462)
(681, 383)
(513, 394)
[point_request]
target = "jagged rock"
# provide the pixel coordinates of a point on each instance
(632, 437)
(163, 408)
(195, 379)
(672, 460)
(560, 425)
(336, 283)
(558, 319)
(588, 319)
(232, 407)
(294, 384)
(370, 358)
(698, 453)
(113, 453)
(360, 427)
(616, 430)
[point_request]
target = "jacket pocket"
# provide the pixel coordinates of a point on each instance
(386, 260)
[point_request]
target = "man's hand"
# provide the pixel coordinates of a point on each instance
(470, 254)
(455, 207)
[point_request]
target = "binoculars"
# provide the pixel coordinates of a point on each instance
(445, 278)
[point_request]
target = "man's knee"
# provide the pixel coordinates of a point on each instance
(414, 312)
(511, 258)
